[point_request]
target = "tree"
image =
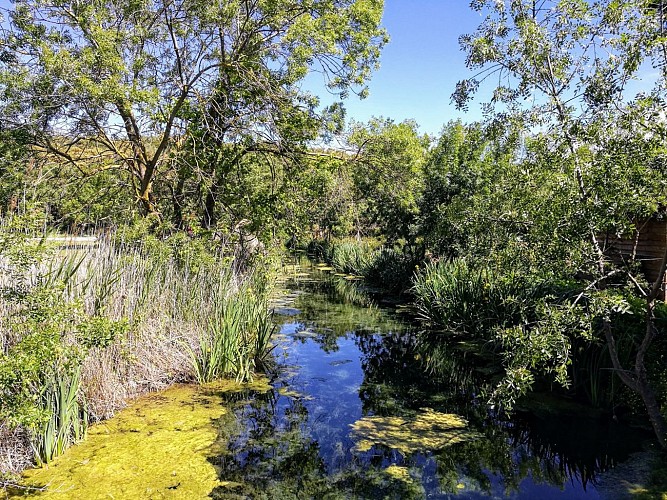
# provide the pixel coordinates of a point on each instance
(388, 174)
(455, 170)
(574, 60)
(114, 85)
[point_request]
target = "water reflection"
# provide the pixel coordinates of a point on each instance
(339, 362)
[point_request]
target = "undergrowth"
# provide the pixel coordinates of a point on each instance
(82, 329)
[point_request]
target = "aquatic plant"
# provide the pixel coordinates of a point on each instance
(164, 439)
(351, 257)
(428, 430)
(392, 269)
(66, 418)
(464, 299)
(237, 338)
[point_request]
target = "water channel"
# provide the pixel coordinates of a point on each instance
(354, 413)
(349, 411)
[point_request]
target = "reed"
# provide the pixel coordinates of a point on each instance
(66, 417)
(459, 298)
(237, 340)
(138, 319)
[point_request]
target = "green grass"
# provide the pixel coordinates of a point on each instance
(123, 319)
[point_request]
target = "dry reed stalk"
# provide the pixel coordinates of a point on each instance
(15, 450)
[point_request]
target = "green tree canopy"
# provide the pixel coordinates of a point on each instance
(564, 66)
(110, 85)
(388, 174)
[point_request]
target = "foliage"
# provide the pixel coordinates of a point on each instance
(112, 86)
(392, 269)
(585, 172)
(456, 169)
(13, 153)
(131, 304)
(319, 199)
(388, 174)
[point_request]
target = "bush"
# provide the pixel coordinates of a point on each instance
(474, 301)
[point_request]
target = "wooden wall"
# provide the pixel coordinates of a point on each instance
(647, 244)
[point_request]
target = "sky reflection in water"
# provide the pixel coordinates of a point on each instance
(337, 363)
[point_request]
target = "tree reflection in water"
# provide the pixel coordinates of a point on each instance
(295, 441)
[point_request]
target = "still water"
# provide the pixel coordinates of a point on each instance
(356, 412)
(358, 404)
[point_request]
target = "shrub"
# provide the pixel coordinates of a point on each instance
(474, 301)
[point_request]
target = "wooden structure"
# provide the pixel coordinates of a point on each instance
(646, 245)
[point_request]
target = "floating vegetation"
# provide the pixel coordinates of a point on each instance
(399, 473)
(157, 448)
(429, 430)
(289, 393)
(286, 311)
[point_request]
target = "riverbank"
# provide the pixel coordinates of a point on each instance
(84, 330)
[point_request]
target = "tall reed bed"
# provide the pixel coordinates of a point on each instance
(82, 329)
(473, 301)
(390, 269)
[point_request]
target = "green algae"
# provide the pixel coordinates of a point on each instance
(428, 430)
(399, 473)
(284, 391)
(157, 448)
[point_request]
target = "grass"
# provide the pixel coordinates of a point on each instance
(472, 301)
(133, 318)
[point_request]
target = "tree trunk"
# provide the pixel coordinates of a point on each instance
(147, 201)
(637, 379)
(208, 218)
(652, 408)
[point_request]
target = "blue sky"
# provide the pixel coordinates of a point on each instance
(419, 67)
(422, 63)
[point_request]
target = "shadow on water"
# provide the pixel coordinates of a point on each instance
(359, 410)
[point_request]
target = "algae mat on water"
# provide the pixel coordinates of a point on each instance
(428, 430)
(156, 448)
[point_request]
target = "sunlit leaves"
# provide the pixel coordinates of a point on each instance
(129, 76)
